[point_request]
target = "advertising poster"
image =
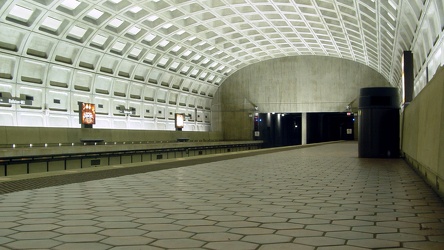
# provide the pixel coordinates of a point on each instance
(87, 114)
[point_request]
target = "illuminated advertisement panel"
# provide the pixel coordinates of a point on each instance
(180, 121)
(87, 114)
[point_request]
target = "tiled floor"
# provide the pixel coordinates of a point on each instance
(320, 197)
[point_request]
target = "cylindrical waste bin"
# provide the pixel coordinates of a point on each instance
(379, 122)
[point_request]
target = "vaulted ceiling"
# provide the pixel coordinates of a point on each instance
(170, 42)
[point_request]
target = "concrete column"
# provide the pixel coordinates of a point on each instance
(304, 129)
(408, 76)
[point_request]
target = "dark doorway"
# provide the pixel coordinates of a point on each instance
(291, 129)
(285, 129)
(278, 129)
(322, 127)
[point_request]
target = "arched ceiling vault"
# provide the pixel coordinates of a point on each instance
(206, 41)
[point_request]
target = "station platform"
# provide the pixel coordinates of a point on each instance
(317, 197)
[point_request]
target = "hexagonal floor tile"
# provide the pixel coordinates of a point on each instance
(122, 232)
(33, 244)
(217, 237)
(161, 227)
(80, 238)
(34, 235)
(79, 229)
(401, 237)
(349, 235)
(119, 224)
(82, 246)
(327, 228)
(205, 229)
(36, 227)
(251, 230)
(127, 240)
(285, 246)
(320, 241)
(267, 239)
(195, 222)
(299, 233)
(169, 235)
(179, 243)
(231, 245)
(373, 243)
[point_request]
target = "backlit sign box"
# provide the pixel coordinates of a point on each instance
(87, 113)
(180, 121)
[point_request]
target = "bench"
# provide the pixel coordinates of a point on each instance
(91, 141)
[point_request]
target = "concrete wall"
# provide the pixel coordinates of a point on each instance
(290, 84)
(36, 136)
(423, 132)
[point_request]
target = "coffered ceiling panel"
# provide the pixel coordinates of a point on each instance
(208, 40)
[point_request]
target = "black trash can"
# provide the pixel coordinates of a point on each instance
(379, 122)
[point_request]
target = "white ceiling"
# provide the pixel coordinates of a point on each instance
(209, 40)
